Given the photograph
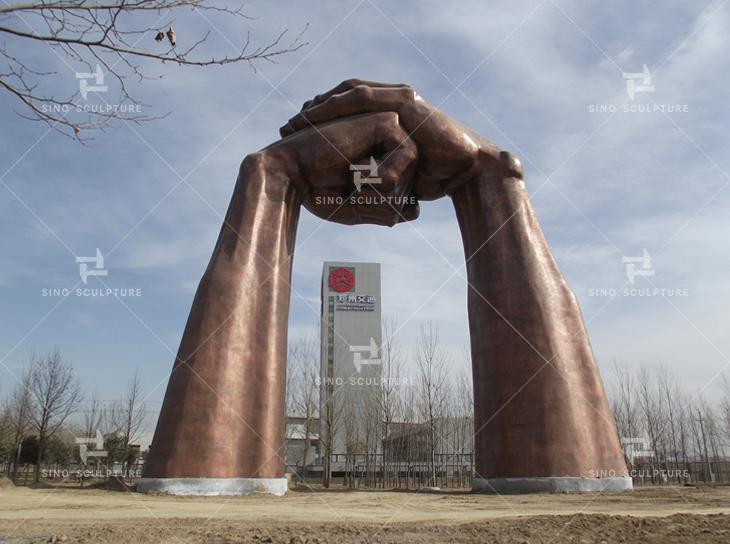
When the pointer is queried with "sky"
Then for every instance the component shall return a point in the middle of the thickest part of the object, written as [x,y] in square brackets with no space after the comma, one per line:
[609,177]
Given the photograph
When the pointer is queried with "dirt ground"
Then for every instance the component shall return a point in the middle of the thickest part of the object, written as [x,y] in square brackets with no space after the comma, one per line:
[91,515]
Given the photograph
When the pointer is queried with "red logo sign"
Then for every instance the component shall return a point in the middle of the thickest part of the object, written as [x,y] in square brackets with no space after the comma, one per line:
[341,279]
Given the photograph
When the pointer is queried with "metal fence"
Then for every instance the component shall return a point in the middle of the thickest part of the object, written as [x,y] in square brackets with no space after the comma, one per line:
[448,471]
[666,472]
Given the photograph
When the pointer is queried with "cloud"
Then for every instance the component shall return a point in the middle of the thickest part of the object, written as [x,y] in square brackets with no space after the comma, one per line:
[633,182]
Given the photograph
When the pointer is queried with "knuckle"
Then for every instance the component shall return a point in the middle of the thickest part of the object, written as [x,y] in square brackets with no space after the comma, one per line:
[298,121]
[362,91]
[392,120]
[408,93]
[253,161]
[255,158]
[511,164]
[410,150]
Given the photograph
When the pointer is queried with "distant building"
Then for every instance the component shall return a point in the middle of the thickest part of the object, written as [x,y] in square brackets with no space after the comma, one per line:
[348,438]
[350,358]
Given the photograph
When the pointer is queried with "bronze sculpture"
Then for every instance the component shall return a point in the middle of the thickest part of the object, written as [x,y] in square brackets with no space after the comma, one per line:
[542,421]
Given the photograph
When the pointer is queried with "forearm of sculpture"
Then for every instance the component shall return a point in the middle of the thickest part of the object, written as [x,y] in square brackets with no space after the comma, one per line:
[223,415]
[540,407]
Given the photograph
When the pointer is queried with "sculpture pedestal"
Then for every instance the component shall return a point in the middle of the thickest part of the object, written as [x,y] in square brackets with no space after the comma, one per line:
[213,486]
[506,486]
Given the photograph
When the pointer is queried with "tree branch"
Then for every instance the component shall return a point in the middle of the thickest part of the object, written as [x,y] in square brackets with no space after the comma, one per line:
[87,33]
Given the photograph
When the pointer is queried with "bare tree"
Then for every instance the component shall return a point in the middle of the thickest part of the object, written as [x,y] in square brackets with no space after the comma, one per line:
[20,408]
[671,399]
[623,402]
[434,389]
[685,430]
[332,401]
[303,394]
[371,423]
[651,411]
[712,431]
[464,407]
[56,394]
[391,399]
[351,417]
[724,409]
[701,415]
[91,423]
[129,417]
[111,40]
[411,443]
[93,417]
[682,427]
[6,434]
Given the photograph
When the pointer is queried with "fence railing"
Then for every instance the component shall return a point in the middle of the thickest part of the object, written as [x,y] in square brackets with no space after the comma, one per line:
[665,472]
[457,471]
[445,470]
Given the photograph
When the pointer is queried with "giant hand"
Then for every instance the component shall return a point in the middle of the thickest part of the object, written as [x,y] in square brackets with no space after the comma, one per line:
[542,421]
[320,162]
[449,153]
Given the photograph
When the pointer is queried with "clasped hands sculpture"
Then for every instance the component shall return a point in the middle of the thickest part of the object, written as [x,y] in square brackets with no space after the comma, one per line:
[423,153]
[540,410]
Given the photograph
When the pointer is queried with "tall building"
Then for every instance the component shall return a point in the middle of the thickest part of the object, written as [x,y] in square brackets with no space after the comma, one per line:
[350,357]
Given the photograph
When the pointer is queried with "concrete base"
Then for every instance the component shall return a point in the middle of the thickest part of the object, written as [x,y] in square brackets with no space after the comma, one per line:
[213,486]
[552,484]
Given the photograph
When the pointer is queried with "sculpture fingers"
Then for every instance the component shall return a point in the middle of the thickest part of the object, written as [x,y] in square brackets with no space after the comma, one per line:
[368,179]
[346,86]
[381,200]
[359,99]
